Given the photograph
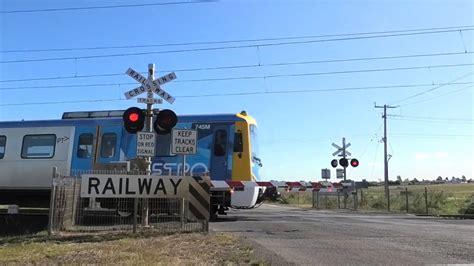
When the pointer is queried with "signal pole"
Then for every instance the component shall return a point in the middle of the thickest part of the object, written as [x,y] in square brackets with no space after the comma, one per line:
[148,128]
[344,156]
[384,116]
[149,113]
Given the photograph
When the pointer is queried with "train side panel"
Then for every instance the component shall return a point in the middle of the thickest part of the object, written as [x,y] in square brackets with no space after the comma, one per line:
[29,157]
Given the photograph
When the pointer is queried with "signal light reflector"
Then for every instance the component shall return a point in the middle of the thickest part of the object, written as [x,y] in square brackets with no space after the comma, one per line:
[354,162]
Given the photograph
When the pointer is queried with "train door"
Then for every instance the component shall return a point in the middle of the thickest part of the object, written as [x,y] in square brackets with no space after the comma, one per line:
[219,162]
[96,145]
[84,150]
[109,144]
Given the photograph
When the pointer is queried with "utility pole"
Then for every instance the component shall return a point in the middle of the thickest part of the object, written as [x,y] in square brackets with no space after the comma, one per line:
[384,116]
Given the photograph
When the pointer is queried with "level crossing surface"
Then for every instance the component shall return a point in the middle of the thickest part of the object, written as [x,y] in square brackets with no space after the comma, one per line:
[323,237]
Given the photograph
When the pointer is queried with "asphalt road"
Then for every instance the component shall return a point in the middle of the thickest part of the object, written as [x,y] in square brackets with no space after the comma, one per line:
[287,235]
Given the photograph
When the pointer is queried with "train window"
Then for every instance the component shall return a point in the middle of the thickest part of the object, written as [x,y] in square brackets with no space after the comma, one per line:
[84,148]
[107,145]
[3,142]
[38,146]
[220,142]
[238,142]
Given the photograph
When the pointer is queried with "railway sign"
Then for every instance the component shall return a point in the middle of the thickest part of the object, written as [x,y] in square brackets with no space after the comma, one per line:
[146,144]
[339,173]
[150,85]
[325,173]
[133,186]
[340,150]
[184,141]
[149,101]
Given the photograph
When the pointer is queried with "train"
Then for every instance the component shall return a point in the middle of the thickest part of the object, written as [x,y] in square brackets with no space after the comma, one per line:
[227,151]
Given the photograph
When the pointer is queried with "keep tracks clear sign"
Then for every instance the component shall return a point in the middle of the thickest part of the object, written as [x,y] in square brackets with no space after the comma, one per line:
[184,141]
[133,186]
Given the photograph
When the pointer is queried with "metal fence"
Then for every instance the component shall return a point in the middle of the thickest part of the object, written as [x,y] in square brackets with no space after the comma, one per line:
[415,200]
[69,212]
[334,200]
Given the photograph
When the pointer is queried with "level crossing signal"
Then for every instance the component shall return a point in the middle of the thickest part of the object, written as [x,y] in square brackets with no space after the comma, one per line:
[165,121]
[345,163]
[354,162]
[133,119]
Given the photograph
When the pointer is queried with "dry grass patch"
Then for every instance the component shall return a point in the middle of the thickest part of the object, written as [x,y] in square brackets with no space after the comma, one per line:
[127,249]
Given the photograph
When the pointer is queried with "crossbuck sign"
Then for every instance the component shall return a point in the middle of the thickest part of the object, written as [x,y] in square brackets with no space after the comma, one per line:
[150,85]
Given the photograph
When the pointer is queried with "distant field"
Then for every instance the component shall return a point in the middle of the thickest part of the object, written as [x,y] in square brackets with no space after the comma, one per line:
[442,198]
[461,189]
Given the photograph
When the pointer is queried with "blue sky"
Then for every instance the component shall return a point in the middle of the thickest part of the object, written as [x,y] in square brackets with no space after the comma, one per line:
[296,128]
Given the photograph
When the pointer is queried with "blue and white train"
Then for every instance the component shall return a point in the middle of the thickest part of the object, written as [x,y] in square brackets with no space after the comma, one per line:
[227,150]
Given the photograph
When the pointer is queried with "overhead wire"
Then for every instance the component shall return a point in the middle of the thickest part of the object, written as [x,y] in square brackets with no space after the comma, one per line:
[291,75]
[432,89]
[250,66]
[222,47]
[440,95]
[229,94]
[433,118]
[104,7]
[455,28]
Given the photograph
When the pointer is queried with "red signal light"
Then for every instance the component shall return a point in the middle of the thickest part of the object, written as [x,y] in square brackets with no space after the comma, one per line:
[354,162]
[133,117]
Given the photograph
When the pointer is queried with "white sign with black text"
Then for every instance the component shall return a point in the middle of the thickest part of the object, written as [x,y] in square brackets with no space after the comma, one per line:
[133,186]
[184,141]
[146,144]
[150,85]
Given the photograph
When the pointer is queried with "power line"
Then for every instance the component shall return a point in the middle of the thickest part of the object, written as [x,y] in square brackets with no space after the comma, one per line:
[103,7]
[433,121]
[455,28]
[432,89]
[431,135]
[269,92]
[441,95]
[222,47]
[433,118]
[228,94]
[252,66]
